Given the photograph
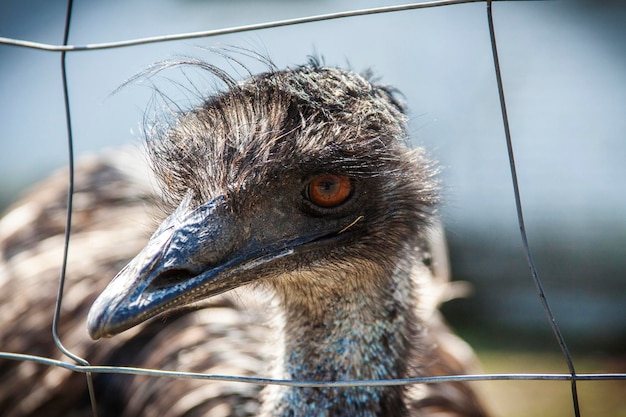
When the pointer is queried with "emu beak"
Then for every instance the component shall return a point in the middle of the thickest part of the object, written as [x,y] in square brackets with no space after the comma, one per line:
[196,253]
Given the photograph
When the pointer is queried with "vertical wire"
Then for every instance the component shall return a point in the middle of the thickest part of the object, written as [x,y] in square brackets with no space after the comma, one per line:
[68,222]
[520,216]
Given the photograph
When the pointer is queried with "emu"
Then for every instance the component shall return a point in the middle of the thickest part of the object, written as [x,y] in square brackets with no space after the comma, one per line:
[301,231]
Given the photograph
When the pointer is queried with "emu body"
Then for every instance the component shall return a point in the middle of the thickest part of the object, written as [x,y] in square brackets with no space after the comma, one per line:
[299,185]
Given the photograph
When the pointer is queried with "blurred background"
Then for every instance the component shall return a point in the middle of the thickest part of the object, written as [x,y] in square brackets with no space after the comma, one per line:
[564,69]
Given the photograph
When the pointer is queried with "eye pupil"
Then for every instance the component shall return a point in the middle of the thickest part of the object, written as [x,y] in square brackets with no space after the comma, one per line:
[329,190]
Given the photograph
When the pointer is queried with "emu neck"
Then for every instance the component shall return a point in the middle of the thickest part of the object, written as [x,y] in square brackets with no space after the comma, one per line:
[345,327]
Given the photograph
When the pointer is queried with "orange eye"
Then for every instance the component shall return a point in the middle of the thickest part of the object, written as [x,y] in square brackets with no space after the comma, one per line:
[329,190]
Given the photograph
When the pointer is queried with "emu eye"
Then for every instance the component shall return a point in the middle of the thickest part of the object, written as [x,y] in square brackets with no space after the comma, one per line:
[329,190]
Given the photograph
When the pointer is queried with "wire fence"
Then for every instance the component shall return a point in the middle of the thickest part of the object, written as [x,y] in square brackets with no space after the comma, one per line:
[81,365]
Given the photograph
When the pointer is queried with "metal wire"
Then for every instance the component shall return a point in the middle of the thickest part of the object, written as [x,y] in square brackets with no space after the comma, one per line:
[231,30]
[82,366]
[307,384]
[68,221]
[520,215]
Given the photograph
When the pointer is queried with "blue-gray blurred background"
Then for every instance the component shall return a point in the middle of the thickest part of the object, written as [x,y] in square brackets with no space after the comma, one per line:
[564,69]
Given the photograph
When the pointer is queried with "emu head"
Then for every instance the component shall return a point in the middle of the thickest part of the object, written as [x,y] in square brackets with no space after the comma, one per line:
[279,180]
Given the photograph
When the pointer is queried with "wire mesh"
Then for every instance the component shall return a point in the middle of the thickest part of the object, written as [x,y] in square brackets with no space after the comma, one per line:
[82,366]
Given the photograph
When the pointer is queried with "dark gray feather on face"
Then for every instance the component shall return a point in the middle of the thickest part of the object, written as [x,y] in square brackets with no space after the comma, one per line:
[272,132]
[315,118]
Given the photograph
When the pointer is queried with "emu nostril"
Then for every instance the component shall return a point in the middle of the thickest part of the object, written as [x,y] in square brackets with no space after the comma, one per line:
[170,277]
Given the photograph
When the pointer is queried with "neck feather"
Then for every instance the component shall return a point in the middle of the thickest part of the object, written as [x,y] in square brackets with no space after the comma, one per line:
[343,325]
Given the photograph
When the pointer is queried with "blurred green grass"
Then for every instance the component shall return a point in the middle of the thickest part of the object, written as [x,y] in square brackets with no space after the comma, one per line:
[551,398]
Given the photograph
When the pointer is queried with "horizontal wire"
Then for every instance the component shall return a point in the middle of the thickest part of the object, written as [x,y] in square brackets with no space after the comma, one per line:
[230,30]
[308,384]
